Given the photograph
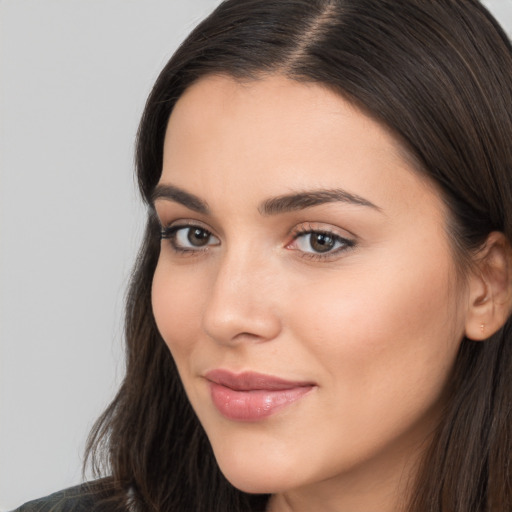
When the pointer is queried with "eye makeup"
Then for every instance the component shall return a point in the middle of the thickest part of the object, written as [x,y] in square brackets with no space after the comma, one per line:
[309,242]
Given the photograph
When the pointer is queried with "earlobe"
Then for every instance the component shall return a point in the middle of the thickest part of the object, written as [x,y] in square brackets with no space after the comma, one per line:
[490,288]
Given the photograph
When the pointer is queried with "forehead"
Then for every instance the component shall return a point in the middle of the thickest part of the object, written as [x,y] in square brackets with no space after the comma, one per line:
[262,107]
[275,135]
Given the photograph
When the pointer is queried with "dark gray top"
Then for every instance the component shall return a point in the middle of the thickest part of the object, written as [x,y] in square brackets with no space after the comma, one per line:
[80,498]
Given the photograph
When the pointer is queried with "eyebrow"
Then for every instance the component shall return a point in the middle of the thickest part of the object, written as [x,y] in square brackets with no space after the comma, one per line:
[308,199]
[273,206]
[172,193]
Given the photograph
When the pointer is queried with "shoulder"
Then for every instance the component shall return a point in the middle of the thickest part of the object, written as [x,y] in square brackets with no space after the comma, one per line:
[81,498]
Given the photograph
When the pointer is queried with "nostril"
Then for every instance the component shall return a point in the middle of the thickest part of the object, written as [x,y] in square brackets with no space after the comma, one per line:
[240,322]
[237,307]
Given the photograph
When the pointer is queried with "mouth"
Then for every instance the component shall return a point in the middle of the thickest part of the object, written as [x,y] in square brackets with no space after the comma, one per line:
[251,396]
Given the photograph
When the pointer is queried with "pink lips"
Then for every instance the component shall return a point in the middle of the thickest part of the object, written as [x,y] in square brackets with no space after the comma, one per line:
[252,396]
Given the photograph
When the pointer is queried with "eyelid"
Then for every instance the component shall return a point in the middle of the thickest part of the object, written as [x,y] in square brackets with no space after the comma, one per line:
[184,223]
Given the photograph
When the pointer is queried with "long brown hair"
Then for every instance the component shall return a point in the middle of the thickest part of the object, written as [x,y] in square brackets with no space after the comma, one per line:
[438,74]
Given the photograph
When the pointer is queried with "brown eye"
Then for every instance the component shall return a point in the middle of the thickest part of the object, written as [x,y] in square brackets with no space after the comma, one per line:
[321,242]
[198,237]
[189,238]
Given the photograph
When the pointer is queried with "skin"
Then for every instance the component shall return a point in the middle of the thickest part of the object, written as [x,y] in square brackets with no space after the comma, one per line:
[375,325]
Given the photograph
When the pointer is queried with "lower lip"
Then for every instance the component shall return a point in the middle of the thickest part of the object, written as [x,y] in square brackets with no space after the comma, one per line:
[253,405]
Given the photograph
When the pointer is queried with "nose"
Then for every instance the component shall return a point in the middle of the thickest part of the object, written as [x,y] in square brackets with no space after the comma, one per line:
[241,304]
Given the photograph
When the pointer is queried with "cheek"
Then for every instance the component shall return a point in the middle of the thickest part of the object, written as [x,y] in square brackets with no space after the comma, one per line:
[384,332]
[176,305]
[383,348]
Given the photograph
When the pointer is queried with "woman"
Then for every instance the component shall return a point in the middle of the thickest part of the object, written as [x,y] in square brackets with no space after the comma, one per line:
[319,318]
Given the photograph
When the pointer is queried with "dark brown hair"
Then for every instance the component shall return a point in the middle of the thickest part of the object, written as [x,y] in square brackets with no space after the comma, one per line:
[438,74]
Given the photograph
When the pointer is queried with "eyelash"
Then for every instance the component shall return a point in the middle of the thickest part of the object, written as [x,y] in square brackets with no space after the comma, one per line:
[171,232]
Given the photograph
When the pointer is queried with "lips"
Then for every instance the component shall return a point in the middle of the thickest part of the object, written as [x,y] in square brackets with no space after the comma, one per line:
[253,396]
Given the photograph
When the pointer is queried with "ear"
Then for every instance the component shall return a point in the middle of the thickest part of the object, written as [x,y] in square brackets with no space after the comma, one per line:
[490,288]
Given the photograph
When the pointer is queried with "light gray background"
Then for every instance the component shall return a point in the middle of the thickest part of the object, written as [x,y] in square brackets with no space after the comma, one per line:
[74,75]
[74,78]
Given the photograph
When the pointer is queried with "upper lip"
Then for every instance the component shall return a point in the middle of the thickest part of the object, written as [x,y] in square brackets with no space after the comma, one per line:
[249,381]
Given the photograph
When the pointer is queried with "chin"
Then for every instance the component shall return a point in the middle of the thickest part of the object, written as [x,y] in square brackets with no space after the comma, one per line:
[253,482]
[256,476]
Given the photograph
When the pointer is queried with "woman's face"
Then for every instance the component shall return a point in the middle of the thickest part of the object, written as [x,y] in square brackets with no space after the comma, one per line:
[305,287]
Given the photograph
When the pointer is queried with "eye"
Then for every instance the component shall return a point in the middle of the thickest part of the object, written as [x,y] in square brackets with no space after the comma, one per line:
[318,243]
[189,238]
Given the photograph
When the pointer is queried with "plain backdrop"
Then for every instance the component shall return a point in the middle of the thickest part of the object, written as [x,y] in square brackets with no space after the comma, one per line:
[74,76]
